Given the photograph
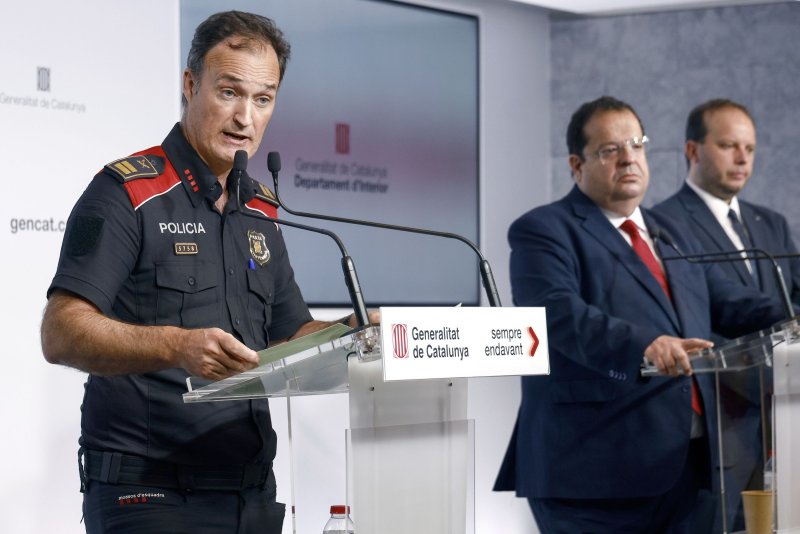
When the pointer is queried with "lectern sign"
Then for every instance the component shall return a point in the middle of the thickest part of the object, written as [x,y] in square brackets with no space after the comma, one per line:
[437,342]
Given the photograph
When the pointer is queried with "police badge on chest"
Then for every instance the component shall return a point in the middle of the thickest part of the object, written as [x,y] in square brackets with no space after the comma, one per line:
[258,247]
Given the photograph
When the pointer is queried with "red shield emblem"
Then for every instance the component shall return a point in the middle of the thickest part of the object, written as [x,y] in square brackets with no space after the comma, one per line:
[400,340]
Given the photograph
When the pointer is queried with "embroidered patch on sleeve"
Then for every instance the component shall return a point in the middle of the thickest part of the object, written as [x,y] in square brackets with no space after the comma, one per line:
[84,235]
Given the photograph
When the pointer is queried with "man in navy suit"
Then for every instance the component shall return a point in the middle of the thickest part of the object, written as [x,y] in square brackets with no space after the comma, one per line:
[720,149]
[598,448]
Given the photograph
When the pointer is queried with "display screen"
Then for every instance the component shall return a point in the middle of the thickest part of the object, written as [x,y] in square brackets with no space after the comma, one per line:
[377,119]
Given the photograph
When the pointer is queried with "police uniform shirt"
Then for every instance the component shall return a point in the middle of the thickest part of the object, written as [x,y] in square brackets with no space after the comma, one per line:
[145,245]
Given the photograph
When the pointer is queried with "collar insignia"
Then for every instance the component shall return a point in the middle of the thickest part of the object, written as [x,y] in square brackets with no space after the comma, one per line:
[264,193]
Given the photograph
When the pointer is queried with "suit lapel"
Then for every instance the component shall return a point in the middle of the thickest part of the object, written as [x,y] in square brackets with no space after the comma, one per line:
[596,224]
[705,221]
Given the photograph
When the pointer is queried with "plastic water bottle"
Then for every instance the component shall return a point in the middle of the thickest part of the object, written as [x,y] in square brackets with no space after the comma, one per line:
[340,522]
[769,473]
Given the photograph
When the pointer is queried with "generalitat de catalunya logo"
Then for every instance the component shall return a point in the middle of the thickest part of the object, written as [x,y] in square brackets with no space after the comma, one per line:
[400,340]
[342,138]
[43,79]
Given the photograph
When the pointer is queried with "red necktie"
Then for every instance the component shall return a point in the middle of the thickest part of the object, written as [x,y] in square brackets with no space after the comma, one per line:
[642,250]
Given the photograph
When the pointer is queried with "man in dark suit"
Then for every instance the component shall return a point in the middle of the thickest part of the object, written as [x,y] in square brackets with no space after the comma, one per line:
[598,448]
[720,149]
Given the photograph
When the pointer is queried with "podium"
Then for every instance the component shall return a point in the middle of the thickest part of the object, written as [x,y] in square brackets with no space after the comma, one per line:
[773,355]
[410,448]
[409,445]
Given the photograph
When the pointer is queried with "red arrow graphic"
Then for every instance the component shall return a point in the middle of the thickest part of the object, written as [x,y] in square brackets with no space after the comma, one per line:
[535,340]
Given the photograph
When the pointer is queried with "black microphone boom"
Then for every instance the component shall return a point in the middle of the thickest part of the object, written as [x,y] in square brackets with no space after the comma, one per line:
[348,267]
[274,166]
[733,255]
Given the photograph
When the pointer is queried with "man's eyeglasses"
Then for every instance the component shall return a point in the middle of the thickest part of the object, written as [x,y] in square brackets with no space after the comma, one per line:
[609,153]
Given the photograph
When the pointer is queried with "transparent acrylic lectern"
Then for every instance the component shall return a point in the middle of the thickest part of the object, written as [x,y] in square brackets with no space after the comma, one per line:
[774,354]
[410,449]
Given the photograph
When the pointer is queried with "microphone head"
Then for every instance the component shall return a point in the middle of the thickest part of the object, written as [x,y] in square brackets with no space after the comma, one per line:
[663,235]
[240,161]
[274,162]
[667,238]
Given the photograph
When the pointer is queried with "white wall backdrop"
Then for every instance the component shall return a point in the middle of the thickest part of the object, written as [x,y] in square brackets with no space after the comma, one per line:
[111,86]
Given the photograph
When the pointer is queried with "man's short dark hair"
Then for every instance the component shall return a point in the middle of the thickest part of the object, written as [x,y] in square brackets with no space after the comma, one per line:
[576,137]
[696,129]
[252,28]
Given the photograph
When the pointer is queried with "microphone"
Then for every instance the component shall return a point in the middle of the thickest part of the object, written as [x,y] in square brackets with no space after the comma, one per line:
[238,169]
[348,267]
[274,166]
[732,255]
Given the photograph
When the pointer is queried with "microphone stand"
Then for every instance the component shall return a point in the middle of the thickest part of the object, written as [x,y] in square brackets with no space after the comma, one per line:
[727,256]
[348,267]
[741,255]
[274,165]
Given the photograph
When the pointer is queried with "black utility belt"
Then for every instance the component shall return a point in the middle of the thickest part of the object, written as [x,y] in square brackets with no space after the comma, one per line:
[118,468]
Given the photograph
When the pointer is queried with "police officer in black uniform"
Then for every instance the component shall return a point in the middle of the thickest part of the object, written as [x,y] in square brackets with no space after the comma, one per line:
[168,269]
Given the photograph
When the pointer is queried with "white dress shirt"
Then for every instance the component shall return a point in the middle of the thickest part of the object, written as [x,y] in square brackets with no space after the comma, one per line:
[719,209]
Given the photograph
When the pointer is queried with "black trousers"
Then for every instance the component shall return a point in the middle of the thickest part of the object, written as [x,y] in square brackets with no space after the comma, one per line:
[130,509]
